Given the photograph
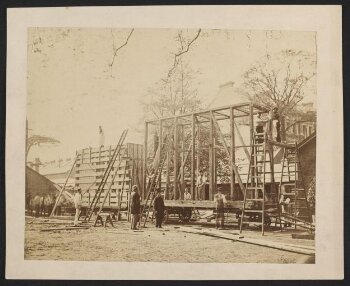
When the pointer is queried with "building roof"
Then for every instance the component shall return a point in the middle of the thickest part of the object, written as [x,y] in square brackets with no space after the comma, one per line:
[56,167]
[227,95]
[307,140]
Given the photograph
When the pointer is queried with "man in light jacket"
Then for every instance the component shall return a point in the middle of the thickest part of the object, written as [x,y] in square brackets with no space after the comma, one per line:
[77,205]
[135,207]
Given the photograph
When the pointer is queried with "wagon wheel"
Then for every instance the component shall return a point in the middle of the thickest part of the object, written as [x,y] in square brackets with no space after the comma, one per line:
[185,215]
[267,220]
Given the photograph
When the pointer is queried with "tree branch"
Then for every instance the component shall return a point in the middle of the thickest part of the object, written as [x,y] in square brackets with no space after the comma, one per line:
[119,48]
[183,51]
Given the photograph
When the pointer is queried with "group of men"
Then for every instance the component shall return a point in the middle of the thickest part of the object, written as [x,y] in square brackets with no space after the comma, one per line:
[158,205]
[135,208]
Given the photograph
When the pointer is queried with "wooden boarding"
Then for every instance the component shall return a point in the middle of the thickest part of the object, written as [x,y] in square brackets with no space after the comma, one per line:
[92,163]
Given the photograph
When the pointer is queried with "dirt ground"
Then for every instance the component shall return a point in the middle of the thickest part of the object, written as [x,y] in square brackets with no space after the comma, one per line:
[149,244]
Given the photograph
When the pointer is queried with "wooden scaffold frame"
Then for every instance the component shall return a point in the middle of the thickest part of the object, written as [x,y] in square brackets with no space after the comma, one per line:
[189,126]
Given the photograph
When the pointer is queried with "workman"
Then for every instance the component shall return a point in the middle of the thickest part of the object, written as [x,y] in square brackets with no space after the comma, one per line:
[135,207]
[159,208]
[220,201]
[77,205]
[187,195]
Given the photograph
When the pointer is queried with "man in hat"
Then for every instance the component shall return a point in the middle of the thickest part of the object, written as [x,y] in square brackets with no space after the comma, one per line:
[77,205]
[159,208]
[220,200]
[135,207]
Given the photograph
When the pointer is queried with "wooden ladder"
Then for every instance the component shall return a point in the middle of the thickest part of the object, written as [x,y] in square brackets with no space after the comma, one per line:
[154,181]
[96,199]
[297,211]
[254,203]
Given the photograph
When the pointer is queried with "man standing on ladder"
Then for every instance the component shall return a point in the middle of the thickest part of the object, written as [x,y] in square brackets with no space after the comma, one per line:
[220,200]
[135,207]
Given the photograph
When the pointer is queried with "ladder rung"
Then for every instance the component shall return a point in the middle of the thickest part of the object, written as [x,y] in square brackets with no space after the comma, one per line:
[253,211]
[254,200]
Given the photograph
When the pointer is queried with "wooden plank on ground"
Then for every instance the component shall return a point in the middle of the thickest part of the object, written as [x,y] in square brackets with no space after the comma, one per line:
[65,228]
[259,242]
[310,236]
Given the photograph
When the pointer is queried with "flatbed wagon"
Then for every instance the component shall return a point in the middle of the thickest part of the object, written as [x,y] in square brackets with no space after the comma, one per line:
[186,208]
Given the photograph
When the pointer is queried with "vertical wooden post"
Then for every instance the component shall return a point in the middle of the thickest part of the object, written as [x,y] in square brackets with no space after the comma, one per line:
[160,146]
[167,166]
[211,164]
[144,169]
[233,155]
[198,154]
[251,124]
[26,147]
[193,156]
[211,195]
[182,170]
[251,121]
[175,159]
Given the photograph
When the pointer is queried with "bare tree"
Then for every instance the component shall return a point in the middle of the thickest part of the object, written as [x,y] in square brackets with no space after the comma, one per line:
[176,93]
[280,81]
[184,47]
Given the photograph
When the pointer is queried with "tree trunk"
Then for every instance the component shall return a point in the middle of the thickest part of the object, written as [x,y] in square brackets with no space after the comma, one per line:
[283,128]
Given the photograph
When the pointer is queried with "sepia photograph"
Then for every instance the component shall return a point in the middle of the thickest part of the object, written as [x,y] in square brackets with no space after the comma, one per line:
[192,143]
[179,139]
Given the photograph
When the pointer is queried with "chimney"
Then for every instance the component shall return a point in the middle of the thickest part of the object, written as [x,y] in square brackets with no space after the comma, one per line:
[36,164]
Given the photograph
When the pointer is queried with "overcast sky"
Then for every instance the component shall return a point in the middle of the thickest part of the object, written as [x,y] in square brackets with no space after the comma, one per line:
[72,89]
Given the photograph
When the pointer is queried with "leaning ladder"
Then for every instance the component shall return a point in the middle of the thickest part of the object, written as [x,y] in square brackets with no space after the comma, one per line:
[298,213]
[255,194]
[100,189]
[155,180]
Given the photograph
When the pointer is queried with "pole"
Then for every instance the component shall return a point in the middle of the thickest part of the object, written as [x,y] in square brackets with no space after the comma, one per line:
[160,146]
[193,156]
[182,162]
[144,169]
[64,186]
[198,155]
[175,158]
[211,164]
[232,159]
